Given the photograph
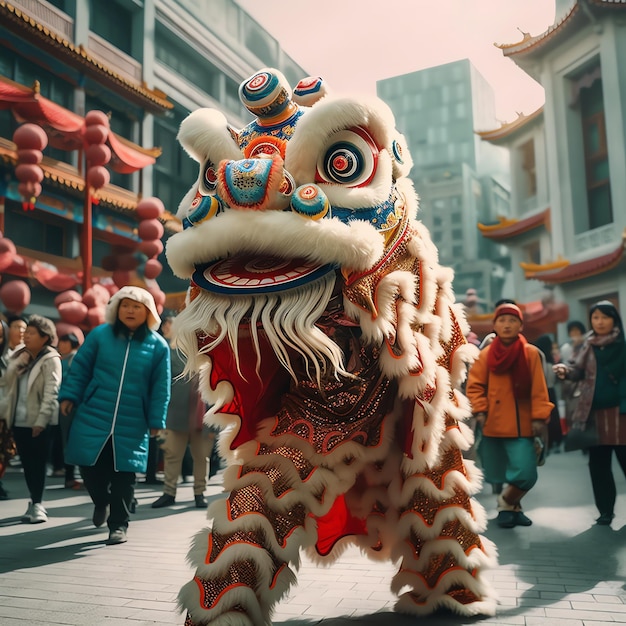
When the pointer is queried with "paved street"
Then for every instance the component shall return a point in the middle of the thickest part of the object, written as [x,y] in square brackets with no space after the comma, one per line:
[562,570]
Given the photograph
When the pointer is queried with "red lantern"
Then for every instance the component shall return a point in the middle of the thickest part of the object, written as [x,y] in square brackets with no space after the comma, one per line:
[152,269]
[150,229]
[127,261]
[15,295]
[7,253]
[72,312]
[151,247]
[150,208]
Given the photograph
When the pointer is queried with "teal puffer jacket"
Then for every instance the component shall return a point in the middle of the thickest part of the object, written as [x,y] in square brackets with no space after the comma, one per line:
[120,387]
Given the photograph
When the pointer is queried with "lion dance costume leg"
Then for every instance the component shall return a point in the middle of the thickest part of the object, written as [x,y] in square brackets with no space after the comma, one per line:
[331,352]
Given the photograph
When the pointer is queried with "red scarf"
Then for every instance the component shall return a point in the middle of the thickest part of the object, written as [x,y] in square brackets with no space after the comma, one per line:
[511,360]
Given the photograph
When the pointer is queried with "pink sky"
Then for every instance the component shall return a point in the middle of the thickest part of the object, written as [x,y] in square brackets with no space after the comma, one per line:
[353,43]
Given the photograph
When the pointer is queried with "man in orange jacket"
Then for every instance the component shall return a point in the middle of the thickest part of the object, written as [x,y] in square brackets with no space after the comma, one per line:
[507,388]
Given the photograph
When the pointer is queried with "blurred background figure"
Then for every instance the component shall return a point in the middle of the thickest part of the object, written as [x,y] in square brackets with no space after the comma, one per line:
[600,366]
[68,346]
[7,443]
[30,406]
[184,427]
[119,384]
[545,344]
[570,389]
[576,335]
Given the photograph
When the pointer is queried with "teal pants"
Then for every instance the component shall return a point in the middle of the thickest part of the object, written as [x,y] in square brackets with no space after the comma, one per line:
[509,460]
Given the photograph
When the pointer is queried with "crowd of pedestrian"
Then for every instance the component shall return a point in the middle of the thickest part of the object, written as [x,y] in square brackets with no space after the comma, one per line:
[89,408]
[532,400]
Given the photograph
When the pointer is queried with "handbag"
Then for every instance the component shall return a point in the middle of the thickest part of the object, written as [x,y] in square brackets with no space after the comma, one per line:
[582,436]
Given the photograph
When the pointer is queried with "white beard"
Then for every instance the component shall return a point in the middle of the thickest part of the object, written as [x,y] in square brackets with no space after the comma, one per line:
[287,319]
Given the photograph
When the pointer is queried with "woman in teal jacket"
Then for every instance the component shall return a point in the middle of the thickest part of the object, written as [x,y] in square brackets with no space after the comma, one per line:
[119,389]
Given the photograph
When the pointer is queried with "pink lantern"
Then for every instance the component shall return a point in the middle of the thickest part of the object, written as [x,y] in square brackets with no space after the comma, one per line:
[151,247]
[150,229]
[98,154]
[96,295]
[95,316]
[29,155]
[95,117]
[15,295]
[7,253]
[30,137]
[29,173]
[67,296]
[150,208]
[96,133]
[152,268]
[121,278]
[72,312]
[98,176]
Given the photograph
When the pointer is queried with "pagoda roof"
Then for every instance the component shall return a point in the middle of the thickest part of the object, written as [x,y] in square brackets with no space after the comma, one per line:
[576,17]
[66,176]
[79,58]
[508,228]
[65,128]
[508,129]
[583,269]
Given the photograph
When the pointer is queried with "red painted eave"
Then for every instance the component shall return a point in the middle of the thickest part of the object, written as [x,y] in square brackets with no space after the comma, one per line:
[512,228]
[583,269]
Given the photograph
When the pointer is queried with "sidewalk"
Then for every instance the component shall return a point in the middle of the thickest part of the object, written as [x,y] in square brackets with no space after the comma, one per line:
[563,570]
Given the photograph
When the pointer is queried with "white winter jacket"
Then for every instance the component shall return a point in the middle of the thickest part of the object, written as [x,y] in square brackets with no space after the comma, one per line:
[44,380]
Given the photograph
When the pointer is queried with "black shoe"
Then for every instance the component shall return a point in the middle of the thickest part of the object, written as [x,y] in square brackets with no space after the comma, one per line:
[164,500]
[100,514]
[3,494]
[201,502]
[117,536]
[522,520]
[605,519]
[506,519]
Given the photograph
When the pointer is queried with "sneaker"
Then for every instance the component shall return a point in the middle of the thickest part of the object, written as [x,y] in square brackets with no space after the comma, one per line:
[117,536]
[521,519]
[76,485]
[200,500]
[39,514]
[164,500]
[100,514]
[29,513]
[506,519]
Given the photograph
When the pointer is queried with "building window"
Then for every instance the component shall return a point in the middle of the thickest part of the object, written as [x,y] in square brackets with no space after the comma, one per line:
[36,231]
[596,155]
[529,169]
[174,171]
[112,22]
[532,253]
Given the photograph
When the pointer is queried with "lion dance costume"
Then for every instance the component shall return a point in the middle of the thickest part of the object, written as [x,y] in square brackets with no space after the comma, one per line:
[331,350]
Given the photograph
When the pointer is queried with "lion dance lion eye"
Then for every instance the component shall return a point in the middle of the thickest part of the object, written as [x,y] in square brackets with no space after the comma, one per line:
[350,159]
[209,178]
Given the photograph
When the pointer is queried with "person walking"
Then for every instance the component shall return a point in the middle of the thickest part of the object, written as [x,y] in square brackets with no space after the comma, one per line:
[600,366]
[570,390]
[7,443]
[30,406]
[555,434]
[184,427]
[507,389]
[119,389]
